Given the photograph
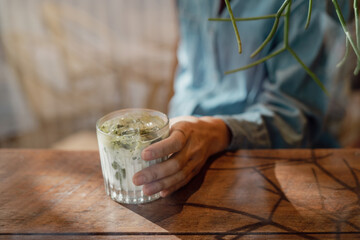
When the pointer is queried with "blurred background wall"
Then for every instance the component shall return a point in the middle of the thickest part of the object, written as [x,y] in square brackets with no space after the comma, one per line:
[64,64]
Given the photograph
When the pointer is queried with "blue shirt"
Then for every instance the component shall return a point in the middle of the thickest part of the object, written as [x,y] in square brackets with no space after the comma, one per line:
[272,105]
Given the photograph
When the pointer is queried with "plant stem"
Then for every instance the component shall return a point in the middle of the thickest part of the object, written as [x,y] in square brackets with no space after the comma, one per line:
[293,53]
[243,19]
[312,75]
[356,13]
[287,25]
[234,25]
[273,30]
[257,62]
[343,60]
[309,14]
[343,24]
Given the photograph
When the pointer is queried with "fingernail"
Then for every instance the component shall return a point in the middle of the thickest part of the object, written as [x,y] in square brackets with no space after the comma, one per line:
[163,194]
[139,180]
[148,155]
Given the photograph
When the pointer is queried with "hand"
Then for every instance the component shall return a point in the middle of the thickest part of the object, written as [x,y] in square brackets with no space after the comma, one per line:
[191,142]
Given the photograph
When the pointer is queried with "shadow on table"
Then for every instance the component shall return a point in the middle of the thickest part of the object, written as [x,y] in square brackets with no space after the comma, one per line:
[164,208]
[269,195]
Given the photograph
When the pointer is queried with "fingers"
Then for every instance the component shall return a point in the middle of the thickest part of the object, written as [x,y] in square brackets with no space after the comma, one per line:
[158,171]
[174,143]
[195,170]
[168,191]
[169,184]
[165,183]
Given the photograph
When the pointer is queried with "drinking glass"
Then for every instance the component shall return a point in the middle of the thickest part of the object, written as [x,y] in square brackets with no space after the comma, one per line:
[122,135]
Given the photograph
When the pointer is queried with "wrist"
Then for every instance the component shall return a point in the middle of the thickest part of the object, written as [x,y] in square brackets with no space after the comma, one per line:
[220,132]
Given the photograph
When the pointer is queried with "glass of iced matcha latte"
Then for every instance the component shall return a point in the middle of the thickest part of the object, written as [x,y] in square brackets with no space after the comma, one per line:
[122,135]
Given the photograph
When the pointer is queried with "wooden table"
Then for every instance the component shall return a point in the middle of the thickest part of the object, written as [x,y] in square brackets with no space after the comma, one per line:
[259,194]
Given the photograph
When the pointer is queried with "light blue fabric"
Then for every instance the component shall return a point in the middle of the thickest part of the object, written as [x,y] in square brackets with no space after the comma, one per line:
[272,105]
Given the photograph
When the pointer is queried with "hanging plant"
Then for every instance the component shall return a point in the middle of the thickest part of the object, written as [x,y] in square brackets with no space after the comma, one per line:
[284,12]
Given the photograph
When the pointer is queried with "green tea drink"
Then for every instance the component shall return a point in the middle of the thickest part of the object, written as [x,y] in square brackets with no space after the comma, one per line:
[122,135]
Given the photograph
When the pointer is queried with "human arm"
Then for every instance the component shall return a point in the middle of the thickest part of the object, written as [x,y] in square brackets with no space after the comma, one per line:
[288,111]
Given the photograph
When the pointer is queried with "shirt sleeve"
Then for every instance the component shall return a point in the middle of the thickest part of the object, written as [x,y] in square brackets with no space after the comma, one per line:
[290,108]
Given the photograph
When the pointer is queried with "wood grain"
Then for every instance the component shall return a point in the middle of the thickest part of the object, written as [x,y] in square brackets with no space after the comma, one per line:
[272,194]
